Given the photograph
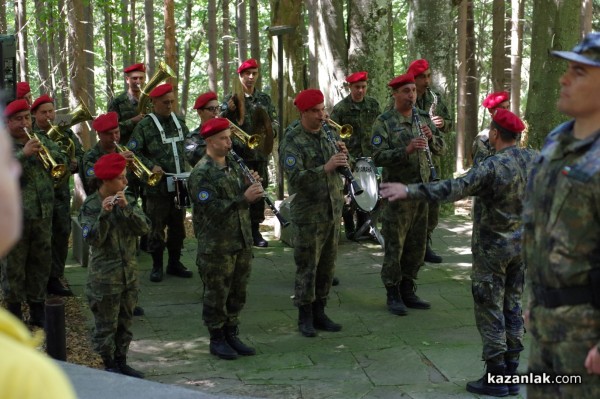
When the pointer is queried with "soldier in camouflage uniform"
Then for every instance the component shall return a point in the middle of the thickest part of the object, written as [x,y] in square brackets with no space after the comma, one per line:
[255,103]
[310,162]
[44,114]
[158,142]
[400,149]
[481,146]
[221,197]
[498,269]
[26,270]
[561,240]
[126,103]
[111,222]
[359,111]
[207,107]
[431,102]
[24,92]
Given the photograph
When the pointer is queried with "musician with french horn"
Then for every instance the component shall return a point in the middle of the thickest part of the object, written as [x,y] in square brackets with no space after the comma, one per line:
[126,103]
[26,270]
[158,143]
[402,138]
[44,115]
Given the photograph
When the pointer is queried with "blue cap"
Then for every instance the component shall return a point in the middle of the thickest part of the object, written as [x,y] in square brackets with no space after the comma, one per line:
[587,52]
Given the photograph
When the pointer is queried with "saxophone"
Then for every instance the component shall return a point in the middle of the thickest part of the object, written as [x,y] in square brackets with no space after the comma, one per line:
[433,103]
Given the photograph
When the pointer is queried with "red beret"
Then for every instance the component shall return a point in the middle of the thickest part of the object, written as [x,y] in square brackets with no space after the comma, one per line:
[508,121]
[135,67]
[43,99]
[418,67]
[251,63]
[401,80]
[106,122]
[495,99]
[308,98]
[22,89]
[161,90]
[109,166]
[357,77]
[203,99]
[214,126]
[16,106]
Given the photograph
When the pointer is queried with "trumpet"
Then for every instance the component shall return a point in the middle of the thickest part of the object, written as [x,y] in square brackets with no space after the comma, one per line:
[345,131]
[57,171]
[343,170]
[139,169]
[252,141]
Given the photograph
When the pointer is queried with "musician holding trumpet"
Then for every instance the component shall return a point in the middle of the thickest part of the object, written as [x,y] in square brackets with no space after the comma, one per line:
[126,103]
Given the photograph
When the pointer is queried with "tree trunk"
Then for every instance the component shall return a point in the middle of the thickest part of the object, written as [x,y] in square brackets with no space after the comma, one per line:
[108,51]
[21,20]
[242,33]
[171,45]
[125,33]
[211,31]
[254,37]
[226,48]
[133,57]
[90,98]
[64,55]
[43,70]
[587,11]
[150,48]
[517,10]
[370,44]
[552,29]
[53,59]
[498,40]
[3,24]
[187,58]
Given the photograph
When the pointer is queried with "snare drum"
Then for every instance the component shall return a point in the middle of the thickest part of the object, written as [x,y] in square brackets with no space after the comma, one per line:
[365,173]
[178,183]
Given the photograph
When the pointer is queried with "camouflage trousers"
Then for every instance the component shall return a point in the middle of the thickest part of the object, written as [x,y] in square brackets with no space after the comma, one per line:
[315,251]
[497,287]
[27,268]
[225,278]
[61,230]
[112,306]
[404,226]
[162,213]
[257,209]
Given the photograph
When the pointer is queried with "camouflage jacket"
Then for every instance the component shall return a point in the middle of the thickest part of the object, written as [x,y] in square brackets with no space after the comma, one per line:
[37,187]
[112,237]
[562,211]
[195,146]
[146,143]
[392,133]
[221,214]
[499,183]
[319,195]
[361,117]
[481,147]
[259,99]
[87,166]
[425,102]
[126,107]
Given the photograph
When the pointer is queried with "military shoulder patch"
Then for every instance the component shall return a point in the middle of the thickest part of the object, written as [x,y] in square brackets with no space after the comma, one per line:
[90,172]
[290,161]
[85,231]
[203,195]
[132,145]
[376,140]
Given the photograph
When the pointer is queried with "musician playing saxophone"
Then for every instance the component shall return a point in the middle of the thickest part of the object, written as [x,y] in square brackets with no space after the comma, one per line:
[399,147]
[126,103]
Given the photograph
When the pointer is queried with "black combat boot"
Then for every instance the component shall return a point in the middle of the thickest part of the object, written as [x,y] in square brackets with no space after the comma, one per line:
[335,281]
[348,218]
[37,314]
[15,309]
[55,287]
[156,275]
[231,336]
[394,301]
[305,321]
[484,386]
[110,365]
[219,345]
[407,291]
[138,311]
[175,267]
[125,369]
[430,256]
[258,239]
[511,369]
[320,319]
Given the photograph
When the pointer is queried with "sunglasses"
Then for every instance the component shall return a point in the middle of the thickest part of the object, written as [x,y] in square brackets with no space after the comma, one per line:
[211,109]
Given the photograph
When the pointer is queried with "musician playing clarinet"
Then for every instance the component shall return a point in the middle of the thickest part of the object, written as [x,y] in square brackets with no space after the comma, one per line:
[310,162]
[221,196]
[399,145]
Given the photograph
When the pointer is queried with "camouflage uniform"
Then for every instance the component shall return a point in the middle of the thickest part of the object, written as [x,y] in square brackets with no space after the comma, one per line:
[316,210]
[195,146]
[481,147]
[126,106]
[561,244]
[87,169]
[112,286]
[254,159]
[498,270]
[404,223]
[222,228]
[361,117]
[27,268]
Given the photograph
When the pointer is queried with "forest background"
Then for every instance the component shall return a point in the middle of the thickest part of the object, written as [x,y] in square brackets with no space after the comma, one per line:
[75,50]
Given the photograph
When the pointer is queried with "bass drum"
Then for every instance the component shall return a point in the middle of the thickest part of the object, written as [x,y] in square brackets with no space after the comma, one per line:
[365,173]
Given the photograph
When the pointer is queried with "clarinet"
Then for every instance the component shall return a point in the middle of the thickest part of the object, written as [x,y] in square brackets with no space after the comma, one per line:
[343,170]
[268,200]
[417,121]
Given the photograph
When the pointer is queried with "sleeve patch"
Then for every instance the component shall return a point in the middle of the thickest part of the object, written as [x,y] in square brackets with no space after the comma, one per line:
[203,196]
[90,172]
[376,140]
[85,231]
[290,161]
[132,145]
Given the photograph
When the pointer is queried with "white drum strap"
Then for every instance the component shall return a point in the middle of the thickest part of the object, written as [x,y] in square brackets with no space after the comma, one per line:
[171,140]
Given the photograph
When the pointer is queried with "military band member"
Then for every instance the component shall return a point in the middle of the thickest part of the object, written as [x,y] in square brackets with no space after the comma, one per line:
[44,114]
[221,195]
[26,271]
[158,142]
[310,162]
[111,223]
[481,146]
[24,92]
[126,103]
[207,107]
[399,147]
[256,103]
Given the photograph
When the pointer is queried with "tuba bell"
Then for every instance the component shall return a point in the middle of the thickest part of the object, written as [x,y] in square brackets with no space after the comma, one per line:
[163,73]
[56,132]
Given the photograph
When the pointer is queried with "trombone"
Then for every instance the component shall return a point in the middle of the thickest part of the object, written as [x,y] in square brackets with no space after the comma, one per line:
[139,169]
[57,171]
[252,141]
[344,131]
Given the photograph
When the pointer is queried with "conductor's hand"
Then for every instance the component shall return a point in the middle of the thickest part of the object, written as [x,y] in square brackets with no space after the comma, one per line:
[418,143]
[438,121]
[342,146]
[393,191]
[336,160]
[231,105]
[253,193]
[32,147]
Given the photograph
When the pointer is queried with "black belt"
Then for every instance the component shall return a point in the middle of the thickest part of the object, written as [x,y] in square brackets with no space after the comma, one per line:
[568,296]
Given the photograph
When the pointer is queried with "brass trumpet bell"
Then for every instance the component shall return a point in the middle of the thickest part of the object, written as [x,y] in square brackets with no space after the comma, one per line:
[344,131]
[252,141]
[139,169]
